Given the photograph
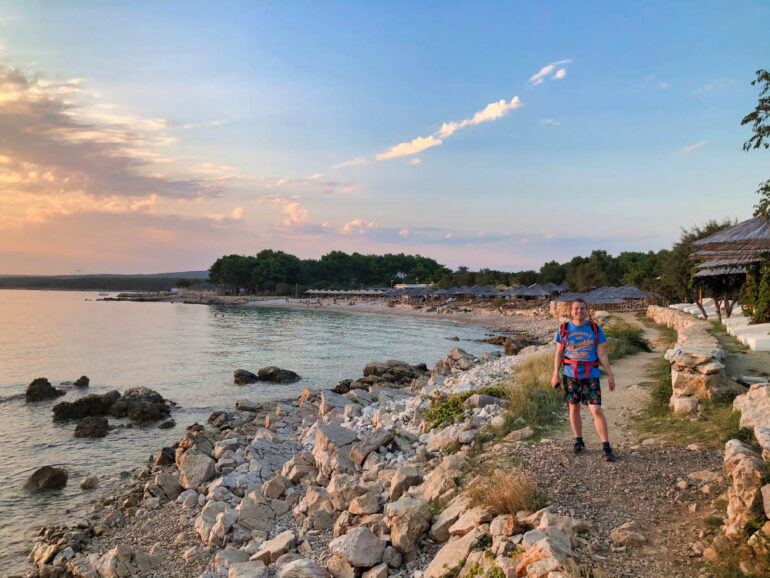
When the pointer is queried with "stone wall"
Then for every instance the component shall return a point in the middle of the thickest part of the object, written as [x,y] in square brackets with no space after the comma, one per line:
[697,371]
[748,507]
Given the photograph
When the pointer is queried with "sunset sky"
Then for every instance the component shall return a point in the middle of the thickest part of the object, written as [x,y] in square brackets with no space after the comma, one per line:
[150,136]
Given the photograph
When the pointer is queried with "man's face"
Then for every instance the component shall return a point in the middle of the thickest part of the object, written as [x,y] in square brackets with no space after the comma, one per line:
[579,312]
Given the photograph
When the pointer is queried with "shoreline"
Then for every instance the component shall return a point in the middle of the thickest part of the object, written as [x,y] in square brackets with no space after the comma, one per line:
[292,456]
[512,320]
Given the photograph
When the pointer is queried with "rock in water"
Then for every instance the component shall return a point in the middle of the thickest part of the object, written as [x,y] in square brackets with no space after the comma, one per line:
[92,427]
[82,381]
[277,375]
[242,377]
[88,405]
[140,404]
[89,483]
[41,389]
[47,478]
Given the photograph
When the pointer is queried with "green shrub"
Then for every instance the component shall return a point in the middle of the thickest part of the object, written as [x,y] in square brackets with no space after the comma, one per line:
[444,411]
[624,339]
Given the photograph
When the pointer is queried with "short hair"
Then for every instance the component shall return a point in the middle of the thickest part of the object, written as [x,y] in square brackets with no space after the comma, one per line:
[579,300]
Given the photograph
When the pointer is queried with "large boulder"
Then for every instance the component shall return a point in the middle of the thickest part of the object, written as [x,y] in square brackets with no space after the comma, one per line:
[277,375]
[452,555]
[141,405]
[270,551]
[332,448]
[460,359]
[407,518]
[92,427]
[41,389]
[46,478]
[243,376]
[195,468]
[359,547]
[372,443]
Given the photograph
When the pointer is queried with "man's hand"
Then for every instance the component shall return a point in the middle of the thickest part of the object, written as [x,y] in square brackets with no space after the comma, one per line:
[556,381]
[611,381]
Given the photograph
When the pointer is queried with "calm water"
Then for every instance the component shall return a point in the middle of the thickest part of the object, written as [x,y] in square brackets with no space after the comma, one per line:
[185,352]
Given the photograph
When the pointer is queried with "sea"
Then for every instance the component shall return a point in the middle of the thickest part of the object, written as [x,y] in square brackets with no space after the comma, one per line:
[185,352]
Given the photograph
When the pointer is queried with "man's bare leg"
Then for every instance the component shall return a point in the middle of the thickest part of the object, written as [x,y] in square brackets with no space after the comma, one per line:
[600,422]
[574,419]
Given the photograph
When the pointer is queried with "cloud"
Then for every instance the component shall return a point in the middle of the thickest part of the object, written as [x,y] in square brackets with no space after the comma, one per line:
[409,148]
[295,218]
[202,124]
[549,121]
[237,214]
[448,236]
[358,161]
[359,226]
[415,161]
[280,182]
[403,233]
[62,157]
[492,111]
[547,70]
[688,149]
[315,177]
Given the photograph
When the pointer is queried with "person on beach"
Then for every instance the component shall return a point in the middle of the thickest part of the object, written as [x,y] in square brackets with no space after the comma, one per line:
[580,348]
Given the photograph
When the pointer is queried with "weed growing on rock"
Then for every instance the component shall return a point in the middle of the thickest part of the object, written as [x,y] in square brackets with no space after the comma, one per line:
[445,410]
[507,492]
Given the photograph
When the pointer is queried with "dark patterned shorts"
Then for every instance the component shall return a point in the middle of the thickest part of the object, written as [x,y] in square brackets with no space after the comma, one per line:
[585,391]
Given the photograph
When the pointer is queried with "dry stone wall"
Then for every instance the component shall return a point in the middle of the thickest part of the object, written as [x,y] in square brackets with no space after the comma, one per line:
[697,371]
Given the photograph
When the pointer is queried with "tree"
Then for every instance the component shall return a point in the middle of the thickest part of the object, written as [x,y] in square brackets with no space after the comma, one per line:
[677,269]
[552,272]
[759,119]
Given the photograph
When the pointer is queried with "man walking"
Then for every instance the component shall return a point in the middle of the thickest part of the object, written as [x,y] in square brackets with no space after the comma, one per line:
[580,348]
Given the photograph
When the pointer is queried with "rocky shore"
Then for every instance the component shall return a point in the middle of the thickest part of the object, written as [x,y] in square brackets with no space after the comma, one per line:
[331,484]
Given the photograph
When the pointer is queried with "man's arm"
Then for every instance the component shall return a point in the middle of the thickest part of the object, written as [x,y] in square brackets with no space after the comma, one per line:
[557,361]
[604,361]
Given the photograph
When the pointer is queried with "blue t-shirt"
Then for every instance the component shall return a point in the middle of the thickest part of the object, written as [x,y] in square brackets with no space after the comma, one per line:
[581,346]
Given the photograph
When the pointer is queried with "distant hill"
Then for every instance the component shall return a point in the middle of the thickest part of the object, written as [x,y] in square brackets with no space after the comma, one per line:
[104,282]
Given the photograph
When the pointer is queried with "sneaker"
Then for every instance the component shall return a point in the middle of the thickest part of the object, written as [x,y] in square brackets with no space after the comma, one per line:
[609,456]
[579,446]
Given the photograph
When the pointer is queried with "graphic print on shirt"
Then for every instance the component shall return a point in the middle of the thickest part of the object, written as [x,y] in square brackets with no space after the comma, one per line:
[581,346]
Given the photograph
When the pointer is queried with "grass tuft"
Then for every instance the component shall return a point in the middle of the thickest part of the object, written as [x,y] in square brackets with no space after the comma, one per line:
[624,339]
[507,492]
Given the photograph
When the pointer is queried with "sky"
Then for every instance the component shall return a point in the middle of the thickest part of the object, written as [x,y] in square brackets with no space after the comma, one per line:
[146,136]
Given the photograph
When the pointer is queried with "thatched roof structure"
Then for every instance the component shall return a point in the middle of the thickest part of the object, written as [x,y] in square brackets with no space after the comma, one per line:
[727,252]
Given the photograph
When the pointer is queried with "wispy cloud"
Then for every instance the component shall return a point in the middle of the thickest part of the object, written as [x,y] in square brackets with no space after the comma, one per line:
[202,124]
[415,161]
[409,148]
[491,112]
[549,122]
[358,161]
[688,149]
[548,71]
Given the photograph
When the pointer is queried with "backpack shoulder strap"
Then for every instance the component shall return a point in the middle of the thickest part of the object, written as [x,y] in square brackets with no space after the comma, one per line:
[595,329]
[564,333]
